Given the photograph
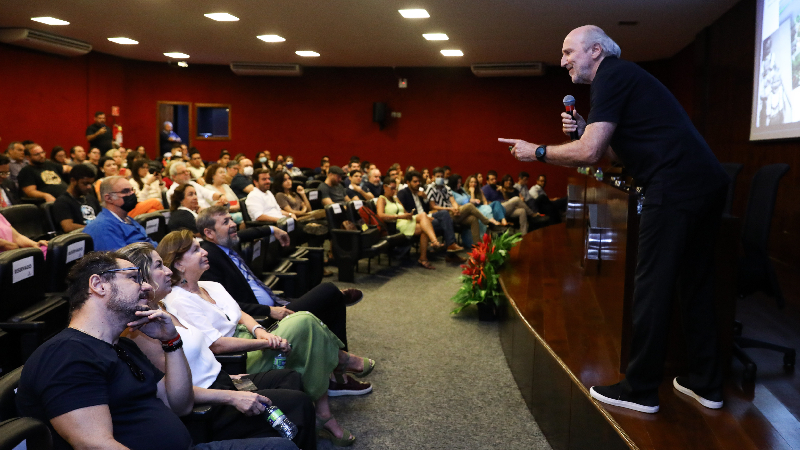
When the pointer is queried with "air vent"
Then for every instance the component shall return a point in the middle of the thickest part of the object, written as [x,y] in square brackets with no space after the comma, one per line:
[266,69]
[46,42]
[528,69]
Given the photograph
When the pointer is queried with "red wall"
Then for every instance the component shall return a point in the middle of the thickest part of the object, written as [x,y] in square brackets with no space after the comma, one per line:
[448,117]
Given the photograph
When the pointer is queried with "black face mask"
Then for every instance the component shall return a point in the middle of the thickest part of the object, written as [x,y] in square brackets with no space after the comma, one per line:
[129,202]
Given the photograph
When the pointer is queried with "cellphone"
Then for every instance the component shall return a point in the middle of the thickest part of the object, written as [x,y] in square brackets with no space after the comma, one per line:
[244,384]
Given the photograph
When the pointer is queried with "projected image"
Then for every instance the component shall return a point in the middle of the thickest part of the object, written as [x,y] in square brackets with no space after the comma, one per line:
[774,106]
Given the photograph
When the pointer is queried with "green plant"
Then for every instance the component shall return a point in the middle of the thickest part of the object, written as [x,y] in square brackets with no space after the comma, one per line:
[480,280]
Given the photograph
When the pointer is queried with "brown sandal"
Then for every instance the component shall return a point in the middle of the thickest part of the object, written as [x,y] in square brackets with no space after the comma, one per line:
[424,263]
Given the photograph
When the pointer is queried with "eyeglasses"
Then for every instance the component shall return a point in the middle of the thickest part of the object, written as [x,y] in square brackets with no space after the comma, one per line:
[139,277]
[135,370]
[5,174]
[126,191]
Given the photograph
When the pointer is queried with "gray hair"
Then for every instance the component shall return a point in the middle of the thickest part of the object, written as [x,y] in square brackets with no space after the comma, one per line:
[207,218]
[107,187]
[173,169]
[595,35]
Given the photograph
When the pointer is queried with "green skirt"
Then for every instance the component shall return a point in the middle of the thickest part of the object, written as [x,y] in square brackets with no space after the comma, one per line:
[314,355]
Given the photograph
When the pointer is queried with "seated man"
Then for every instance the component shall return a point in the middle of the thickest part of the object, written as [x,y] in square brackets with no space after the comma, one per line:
[77,155]
[8,191]
[325,301]
[354,191]
[514,207]
[113,229]
[550,208]
[41,178]
[413,198]
[372,182]
[242,182]
[261,203]
[524,192]
[97,390]
[180,174]
[196,167]
[18,156]
[325,159]
[353,165]
[331,191]
[78,206]
[440,198]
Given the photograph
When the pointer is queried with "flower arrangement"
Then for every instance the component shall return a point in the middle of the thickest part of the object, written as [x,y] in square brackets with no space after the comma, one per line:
[480,280]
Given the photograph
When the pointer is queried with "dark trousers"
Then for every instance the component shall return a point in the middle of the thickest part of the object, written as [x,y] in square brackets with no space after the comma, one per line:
[676,255]
[443,223]
[326,302]
[285,389]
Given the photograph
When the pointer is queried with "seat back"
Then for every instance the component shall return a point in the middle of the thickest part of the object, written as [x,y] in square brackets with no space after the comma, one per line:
[313,198]
[28,220]
[243,210]
[291,227]
[760,206]
[336,214]
[22,280]
[62,253]
[47,210]
[8,394]
[313,184]
[155,225]
[254,253]
[352,211]
[732,169]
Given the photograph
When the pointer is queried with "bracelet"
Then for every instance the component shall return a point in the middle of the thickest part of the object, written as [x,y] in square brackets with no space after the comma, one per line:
[171,341]
[174,346]
[253,331]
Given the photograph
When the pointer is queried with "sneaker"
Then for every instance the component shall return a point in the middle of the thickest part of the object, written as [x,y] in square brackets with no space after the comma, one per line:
[454,247]
[616,395]
[711,400]
[455,259]
[351,387]
[352,296]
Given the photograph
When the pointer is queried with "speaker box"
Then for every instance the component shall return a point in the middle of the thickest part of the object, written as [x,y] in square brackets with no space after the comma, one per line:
[380,112]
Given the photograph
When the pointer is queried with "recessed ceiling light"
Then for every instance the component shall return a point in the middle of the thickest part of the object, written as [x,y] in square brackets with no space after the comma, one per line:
[452,53]
[177,55]
[435,36]
[271,38]
[414,13]
[123,41]
[49,21]
[222,17]
[183,64]
[306,53]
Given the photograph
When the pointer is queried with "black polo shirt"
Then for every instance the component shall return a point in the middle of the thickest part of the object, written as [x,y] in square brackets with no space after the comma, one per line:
[654,138]
[103,142]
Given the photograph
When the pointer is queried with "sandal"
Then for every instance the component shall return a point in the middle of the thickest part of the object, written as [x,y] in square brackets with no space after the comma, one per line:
[436,245]
[368,365]
[346,440]
[425,264]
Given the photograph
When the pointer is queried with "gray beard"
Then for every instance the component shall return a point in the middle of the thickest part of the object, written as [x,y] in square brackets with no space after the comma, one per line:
[229,241]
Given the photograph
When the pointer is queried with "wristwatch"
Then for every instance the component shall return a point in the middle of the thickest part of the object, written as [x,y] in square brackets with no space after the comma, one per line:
[541,153]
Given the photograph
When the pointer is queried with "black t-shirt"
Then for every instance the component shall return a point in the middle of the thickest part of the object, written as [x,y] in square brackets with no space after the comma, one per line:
[654,137]
[74,370]
[103,141]
[239,183]
[46,178]
[335,193]
[81,210]
[353,194]
[182,220]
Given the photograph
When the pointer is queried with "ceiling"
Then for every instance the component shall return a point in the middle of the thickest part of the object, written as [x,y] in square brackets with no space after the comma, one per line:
[367,33]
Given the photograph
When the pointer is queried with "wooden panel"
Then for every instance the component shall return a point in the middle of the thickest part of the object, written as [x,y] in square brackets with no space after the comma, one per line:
[522,361]
[552,388]
[590,430]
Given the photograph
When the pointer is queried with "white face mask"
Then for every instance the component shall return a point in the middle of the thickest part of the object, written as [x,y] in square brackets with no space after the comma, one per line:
[176,155]
[248,171]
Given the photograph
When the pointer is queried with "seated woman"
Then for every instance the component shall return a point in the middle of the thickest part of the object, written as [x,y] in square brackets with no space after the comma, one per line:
[473,194]
[215,180]
[234,414]
[410,224]
[507,188]
[11,239]
[109,168]
[146,185]
[315,350]
[295,202]
[183,209]
[291,169]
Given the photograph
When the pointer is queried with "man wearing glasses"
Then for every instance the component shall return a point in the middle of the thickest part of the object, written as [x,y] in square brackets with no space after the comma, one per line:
[97,390]
[113,229]
[179,174]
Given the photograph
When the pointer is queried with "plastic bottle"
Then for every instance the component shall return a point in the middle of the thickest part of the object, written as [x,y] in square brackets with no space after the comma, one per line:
[278,421]
[280,361]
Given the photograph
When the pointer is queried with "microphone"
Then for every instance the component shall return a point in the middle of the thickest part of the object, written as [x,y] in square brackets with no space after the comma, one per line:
[569,105]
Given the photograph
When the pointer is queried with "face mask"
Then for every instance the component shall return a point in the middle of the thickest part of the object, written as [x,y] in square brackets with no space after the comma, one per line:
[176,155]
[262,160]
[439,181]
[248,171]
[129,202]
[289,165]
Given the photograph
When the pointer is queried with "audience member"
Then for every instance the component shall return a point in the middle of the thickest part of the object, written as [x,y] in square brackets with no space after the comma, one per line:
[234,414]
[278,160]
[11,239]
[16,154]
[324,167]
[142,151]
[262,160]
[354,190]
[441,197]
[113,229]
[183,209]
[291,169]
[115,154]
[446,172]
[97,390]
[93,161]
[325,159]
[98,134]
[261,203]
[146,182]
[522,186]
[180,174]
[77,206]
[167,137]
[41,178]
[232,169]
[109,169]
[224,158]
[507,188]
[354,165]
[242,183]
[426,177]
[295,201]
[8,192]
[409,223]
[215,181]
[77,155]
[373,184]
[59,156]
[479,178]
[514,206]
[196,166]
[463,196]
[551,208]
[332,191]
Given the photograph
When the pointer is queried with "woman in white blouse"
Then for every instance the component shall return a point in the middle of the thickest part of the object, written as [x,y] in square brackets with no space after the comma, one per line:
[146,185]
[215,180]
[234,414]
[315,351]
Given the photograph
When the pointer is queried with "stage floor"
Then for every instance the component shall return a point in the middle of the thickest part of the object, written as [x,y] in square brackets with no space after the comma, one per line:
[561,336]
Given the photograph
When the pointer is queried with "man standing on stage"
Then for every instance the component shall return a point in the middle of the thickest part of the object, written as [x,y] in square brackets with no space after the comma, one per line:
[684,188]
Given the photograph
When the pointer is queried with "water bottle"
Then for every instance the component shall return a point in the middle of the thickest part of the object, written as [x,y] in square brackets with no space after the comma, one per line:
[278,421]
[280,361]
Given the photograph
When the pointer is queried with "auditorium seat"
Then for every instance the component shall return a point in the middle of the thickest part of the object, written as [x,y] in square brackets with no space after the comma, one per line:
[281,275]
[394,239]
[62,253]
[312,195]
[756,272]
[248,221]
[312,184]
[15,430]
[349,246]
[28,220]
[155,225]
[732,169]
[47,209]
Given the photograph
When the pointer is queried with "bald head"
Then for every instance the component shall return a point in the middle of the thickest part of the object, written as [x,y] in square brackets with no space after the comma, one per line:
[584,49]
